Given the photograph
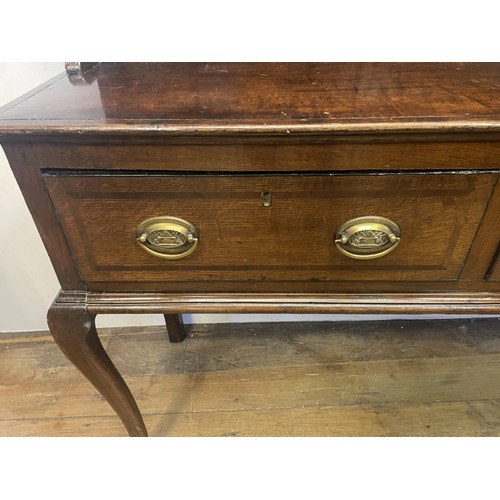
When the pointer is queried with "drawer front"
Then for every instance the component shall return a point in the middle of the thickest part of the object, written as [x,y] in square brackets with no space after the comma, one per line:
[287,235]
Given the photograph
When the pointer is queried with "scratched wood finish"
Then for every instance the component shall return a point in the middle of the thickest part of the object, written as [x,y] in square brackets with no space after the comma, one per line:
[393,378]
[191,97]
[293,240]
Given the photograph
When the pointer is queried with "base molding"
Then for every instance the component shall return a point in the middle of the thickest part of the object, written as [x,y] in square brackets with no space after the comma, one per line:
[388,303]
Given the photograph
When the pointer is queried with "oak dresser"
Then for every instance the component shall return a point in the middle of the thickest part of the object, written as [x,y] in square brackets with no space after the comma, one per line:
[259,187]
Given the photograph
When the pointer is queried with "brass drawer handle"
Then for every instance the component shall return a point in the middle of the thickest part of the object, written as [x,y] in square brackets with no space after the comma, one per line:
[167,237]
[368,237]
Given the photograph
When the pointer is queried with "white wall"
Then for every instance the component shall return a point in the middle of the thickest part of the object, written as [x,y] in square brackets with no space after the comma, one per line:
[27,281]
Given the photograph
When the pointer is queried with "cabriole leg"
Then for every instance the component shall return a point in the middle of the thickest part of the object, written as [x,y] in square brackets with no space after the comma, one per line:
[75,333]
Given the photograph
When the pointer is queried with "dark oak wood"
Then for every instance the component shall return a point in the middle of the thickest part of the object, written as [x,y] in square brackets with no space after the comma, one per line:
[418,143]
[73,328]
[175,327]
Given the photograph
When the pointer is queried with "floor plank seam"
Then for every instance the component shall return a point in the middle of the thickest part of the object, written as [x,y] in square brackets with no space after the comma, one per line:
[267,409]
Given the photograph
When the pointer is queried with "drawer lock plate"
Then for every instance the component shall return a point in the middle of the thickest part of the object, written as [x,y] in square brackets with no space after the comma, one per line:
[167,237]
[367,237]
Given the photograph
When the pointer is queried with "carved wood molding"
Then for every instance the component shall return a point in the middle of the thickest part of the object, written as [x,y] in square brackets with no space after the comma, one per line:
[388,303]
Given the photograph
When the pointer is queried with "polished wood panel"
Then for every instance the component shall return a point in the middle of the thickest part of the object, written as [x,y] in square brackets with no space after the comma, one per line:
[194,98]
[293,240]
[390,378]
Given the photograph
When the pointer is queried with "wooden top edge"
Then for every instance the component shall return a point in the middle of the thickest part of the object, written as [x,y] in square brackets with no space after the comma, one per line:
[230,99]
[32,128]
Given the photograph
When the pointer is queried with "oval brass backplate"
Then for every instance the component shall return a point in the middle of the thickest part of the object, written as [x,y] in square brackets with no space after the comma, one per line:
[167,237]
[367,237]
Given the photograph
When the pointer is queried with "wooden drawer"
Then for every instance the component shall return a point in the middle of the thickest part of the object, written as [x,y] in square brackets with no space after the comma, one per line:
[242,241]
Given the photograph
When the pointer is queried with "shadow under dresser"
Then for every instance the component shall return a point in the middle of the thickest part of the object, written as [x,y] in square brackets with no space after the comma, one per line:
[259,187]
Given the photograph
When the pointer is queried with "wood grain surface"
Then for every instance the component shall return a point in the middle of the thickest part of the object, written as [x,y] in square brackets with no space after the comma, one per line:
[390,378]
[193,98]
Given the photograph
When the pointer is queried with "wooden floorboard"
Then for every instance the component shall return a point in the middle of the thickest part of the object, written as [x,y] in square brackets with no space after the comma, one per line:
[385,378]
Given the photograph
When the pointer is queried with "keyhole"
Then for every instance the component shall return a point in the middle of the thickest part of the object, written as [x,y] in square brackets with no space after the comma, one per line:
[266,198]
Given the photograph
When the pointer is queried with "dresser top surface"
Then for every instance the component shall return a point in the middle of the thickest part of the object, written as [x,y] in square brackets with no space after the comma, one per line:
[260,98]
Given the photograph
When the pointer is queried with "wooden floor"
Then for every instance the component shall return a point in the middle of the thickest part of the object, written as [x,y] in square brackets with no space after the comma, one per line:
[391,378]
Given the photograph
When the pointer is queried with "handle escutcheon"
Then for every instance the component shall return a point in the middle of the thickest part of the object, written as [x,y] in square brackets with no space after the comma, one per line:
[167,237]
[367,237]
